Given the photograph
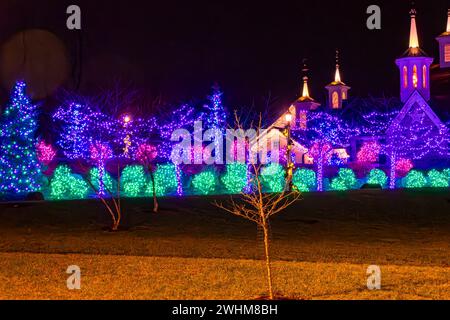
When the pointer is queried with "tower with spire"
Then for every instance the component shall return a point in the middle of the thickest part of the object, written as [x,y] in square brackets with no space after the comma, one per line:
[414,66]
[444,45]
[337,90]
[305,103]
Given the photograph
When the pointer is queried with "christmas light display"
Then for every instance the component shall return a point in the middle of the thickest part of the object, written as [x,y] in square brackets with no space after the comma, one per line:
[273,178]
[235,179]
[369,152]
[414,180]
[45,153]
[133,181]
[100,153]
[74,138]
[346,180]
[403,167]
[438,179]
[64,185]
[216,115]
[304,180]
[205,183]
[20,170]
[107,180]
[324,132]
[377,176]
[166,180]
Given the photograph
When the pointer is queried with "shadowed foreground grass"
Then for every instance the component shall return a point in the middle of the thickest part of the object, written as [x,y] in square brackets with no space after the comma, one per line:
[42,276]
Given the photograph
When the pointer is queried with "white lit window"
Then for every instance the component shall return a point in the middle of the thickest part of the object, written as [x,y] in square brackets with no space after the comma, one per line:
[447,53]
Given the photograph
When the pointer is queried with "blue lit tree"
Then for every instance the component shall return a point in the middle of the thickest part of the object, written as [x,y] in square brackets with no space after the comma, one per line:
[20,171]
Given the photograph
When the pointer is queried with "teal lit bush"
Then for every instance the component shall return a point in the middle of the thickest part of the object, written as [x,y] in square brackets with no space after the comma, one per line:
[304,180]
[235,178]
[346,180]
[166,182]
[377,176]
[273,178]
[66,186]
[133,181]
[415,180]
[205,183]
[108,181]
[438,179]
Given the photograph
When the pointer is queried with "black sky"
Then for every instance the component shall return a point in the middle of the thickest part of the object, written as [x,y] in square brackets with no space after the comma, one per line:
[178,49]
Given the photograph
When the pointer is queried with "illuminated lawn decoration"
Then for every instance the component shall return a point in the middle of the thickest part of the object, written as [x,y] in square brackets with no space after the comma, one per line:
[64,185]
[377,176]
[133,181]
[235,179]
[165,180]
[273,177]
[438,179]
[108,181]
[205,183]
[100,153]
[403,167]
[20,171]
[346,180]
[45,153]
[305,180]
[415,180]
[369,152]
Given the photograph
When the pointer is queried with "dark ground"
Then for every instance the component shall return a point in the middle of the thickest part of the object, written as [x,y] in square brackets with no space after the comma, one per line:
[402,227]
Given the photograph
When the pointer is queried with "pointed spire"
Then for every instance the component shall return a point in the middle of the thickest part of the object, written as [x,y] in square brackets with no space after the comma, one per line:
[305,92]
[448,21]
[413,37]
[337,76]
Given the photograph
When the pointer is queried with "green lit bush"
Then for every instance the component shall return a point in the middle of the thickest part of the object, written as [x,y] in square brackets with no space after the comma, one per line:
[66,186]
[304,180]
[346,180]
[273,178]
[437,179]
[133,181]
[108,181]
[235,178]
[377,176]
[205,183]
[415,180]
[165,180]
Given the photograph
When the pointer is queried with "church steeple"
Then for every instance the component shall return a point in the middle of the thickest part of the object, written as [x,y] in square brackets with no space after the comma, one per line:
[337,90]
[414,66]
[444,45]
[413,36]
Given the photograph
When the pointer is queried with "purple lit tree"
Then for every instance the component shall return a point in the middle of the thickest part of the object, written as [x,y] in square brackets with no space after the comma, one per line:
[324,133]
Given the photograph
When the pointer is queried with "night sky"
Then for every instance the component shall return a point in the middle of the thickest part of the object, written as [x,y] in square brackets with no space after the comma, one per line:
[178,49]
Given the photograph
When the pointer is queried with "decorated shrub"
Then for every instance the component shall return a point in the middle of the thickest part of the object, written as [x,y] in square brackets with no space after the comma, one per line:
[165,180]
[64,185]
[345,180]
[108,181]
[304,180]
[415,179]
[377,176]
[133,181]
[273,178]
[205,183]
[235,178]
[437,179]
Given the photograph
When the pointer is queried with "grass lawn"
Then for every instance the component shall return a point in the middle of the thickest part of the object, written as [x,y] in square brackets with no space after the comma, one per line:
[322,247]
[42,276]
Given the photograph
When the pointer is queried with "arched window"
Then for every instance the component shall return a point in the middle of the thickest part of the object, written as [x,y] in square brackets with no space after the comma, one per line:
[415,77]
[425,76]
[405,77]
[344,95]
[335,98]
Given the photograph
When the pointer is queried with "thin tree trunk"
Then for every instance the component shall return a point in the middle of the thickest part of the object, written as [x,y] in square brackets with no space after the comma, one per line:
[320,174]
[155,199]
[268,262]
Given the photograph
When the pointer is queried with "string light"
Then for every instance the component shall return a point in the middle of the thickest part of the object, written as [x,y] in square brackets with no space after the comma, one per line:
[273,177]
[346,180]
[377,176]
[133,181]
[415,180]
[20,171]
[304,180]
[64,185]
[205,183]
[235,179]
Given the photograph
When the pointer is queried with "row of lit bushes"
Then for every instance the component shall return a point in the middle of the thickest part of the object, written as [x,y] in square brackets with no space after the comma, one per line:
[136,182]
